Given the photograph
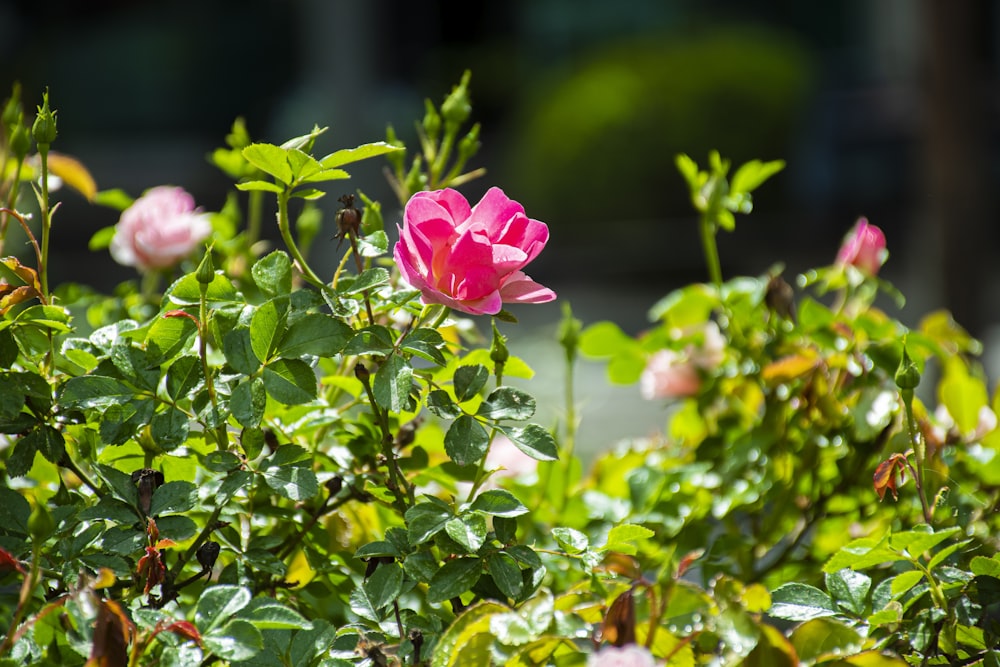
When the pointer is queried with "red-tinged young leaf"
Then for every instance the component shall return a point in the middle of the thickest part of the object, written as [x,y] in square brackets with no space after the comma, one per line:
[889,475]
[7,561]
[185,629]
[619,623]
[112,633]
[687,561]
[181,313]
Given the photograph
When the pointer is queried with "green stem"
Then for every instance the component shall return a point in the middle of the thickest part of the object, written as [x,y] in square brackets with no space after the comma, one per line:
[920,452]
[397,481]
[43,264]
[255,206]
[293,248]
[221,434]
[11,203]
[711,250]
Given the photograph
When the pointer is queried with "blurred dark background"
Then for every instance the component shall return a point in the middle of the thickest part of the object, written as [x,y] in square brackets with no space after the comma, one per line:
[886,109]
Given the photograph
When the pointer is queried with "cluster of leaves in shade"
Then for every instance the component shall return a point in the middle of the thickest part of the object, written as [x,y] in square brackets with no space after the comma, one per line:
[262,466]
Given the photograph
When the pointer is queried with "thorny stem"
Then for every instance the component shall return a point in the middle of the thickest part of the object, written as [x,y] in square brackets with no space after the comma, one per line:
[397,481]
[70,465]
[43,260]
[221,434]
[27,590]
[352,236]
[920,452]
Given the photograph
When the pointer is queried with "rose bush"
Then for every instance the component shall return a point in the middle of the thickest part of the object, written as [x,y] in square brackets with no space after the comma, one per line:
[470,258]
[260,465]
[159,229]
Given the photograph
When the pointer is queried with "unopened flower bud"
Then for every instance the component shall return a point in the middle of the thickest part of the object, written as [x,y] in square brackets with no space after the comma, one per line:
[12,113]
[907,375]
[20,141]
[432,121]
[469,145]
[498,349]
[456,107]
[44,128]
[206,269]
[40,523]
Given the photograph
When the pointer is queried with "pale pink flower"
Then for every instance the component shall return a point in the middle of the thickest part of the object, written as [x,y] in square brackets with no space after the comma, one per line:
[159,229]
[470,258]
[631,655]
[672,374]
[508,459]
[668,374]
[864,247]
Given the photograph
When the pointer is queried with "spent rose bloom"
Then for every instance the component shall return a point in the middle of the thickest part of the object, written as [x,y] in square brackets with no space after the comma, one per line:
[864,247]
[672,374]
[470,258]
[159,229]
[630,655]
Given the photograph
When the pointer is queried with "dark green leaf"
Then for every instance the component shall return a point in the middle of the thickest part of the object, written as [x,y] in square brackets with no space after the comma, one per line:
[292,482]
[120,483]
[507,403]
[426,343]
[384,585]
[290,381]
[183,376]
[368,279]
[469,380]
[800,602]
[375,339]
[498,502]
[505,529]
[167,337]
[221,461]
[238,348]
[236,640]
[273,274]
[506,573]
[466,440]
[468,530]
[534,441]
[454,578]
[48,441]
[173,497]
[235,482]
[570,539]
[316,334]
[248,402]
[392,383]
[94,391]
[169,428]
[218,603]
[440,403]
[267,326]
[186,291]
[373,244]
[424,520]
[268,614]
[14,510]
[849,589]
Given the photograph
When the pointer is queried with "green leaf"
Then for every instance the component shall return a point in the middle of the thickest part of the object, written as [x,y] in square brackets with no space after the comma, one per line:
[183,376]
[120,483]
[862,553]
[468,530]
[875,409]
[218,603]
[273,274]
[688,306]
[290,381]
[392,383]
[753,173]
[468,640]
[47,440]
[270,159]
[237,346]
[293,482]
[962,394]
[248,402]
[186,291]
[14,510]
[980,565]
[466,440]
[498,502]
[822,637]
[800,602]
[849,589]
[454,578]
[903,582]
[440,403]
[236,640]
[507,403]
[425,343]
[269,614]
[385,585]
[622,538]
[173,497]
[374,339]
[316,334]
[94,391]
[534,441]
[369,279]
[424,520]
[916,542]
[167,337]
[169,428]
[373,244]
[570,539]
[363,152]
[267,326]
[469,380]
[259,186]
[506,574]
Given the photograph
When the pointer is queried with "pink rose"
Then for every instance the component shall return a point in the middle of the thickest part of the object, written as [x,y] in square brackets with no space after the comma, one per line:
[470,259]
[631,655]
[864,247]
[159,229]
